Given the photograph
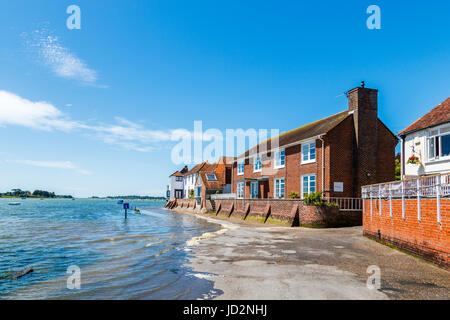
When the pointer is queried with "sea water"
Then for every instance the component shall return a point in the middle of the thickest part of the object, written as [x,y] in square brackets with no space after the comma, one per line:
[142,257]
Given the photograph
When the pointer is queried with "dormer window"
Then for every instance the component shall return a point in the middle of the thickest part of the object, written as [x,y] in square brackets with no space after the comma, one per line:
[211,177]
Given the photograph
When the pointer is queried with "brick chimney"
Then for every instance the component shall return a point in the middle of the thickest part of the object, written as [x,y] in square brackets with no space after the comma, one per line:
[364,103]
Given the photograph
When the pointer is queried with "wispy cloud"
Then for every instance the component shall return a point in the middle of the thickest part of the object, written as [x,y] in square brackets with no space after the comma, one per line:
[58,58]
[66,165]
[15,110]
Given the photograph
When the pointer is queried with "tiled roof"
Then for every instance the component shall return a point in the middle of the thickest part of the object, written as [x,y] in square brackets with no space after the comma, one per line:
[439,114]
[216,185]
[176,174]
[308,131]
[195,169]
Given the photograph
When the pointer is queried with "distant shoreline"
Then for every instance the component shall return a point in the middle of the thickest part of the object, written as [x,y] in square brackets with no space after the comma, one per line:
[33,197]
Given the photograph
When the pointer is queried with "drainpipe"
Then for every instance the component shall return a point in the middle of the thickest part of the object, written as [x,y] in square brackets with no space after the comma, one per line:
[323,162]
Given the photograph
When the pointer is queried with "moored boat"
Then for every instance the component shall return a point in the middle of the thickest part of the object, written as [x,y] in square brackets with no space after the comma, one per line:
[14,203]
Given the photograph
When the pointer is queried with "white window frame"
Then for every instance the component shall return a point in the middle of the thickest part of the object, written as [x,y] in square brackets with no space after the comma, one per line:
[279,166]
[437,137]
[277,190]
[211,174]
[309,184]
[239,173]
[257,164]
[240,190]
[308,144]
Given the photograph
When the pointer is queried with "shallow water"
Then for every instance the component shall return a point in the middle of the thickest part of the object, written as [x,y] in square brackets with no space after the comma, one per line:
[142,257]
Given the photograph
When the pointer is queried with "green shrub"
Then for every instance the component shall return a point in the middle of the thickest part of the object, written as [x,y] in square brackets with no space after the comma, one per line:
[316,199]
[294,195]
[191,194]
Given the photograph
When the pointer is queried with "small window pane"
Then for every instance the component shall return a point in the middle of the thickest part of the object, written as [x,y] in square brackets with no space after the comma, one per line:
[445,140]
[431,150]
[445,129]
[312,151]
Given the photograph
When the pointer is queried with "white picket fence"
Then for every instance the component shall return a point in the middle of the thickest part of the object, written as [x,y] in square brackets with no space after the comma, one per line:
[427,187]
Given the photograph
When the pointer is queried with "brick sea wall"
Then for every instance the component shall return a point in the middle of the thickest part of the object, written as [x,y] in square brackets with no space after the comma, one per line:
[420,235]
[290,212]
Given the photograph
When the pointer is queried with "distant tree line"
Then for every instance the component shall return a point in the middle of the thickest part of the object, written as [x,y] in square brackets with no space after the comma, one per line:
[35,194]
[135,197]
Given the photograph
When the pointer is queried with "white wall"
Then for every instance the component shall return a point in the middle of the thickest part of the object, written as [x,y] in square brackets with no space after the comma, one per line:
[189,184]
[175,185]
[418,140]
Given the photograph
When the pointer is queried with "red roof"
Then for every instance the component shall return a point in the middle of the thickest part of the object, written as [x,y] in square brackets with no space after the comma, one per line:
[176,174]
[439,114]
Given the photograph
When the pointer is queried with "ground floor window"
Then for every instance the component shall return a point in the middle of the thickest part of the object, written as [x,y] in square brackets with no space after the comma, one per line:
[240,190]
[308,184]
[279,188]
[198,192]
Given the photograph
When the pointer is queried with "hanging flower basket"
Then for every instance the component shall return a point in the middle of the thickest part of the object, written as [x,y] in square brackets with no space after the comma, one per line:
[413,160]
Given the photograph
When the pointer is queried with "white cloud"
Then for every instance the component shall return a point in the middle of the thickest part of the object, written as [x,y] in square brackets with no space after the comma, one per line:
[60,59]
[15,110]
[66,165]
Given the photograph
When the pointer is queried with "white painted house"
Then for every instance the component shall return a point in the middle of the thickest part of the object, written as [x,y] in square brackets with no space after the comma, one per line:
[190,179]
[425,144]
[176,184]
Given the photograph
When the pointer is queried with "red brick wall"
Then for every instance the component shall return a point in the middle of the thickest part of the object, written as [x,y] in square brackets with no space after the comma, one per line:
[340,155]
[426,238]
[293,212]
[385,155]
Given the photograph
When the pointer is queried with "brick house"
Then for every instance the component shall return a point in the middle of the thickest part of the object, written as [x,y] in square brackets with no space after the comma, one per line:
[428,140]
[336,155]
[212,179]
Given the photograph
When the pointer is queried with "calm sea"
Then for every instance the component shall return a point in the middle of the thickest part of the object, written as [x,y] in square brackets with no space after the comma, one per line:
[142,257]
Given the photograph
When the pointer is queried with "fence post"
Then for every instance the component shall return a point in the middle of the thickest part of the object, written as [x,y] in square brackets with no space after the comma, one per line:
[379,199]
[390,200]
[419,215]
[438,198]
[363,196]
[403,199]
[371,205]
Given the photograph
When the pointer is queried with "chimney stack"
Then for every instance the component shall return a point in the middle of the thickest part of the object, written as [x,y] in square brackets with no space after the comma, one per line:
[364,104]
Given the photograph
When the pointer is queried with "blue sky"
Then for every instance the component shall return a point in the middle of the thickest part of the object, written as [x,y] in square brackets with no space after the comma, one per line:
[88,112]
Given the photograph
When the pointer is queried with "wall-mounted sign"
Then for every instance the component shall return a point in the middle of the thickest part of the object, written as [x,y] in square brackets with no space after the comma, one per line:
[338,187]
